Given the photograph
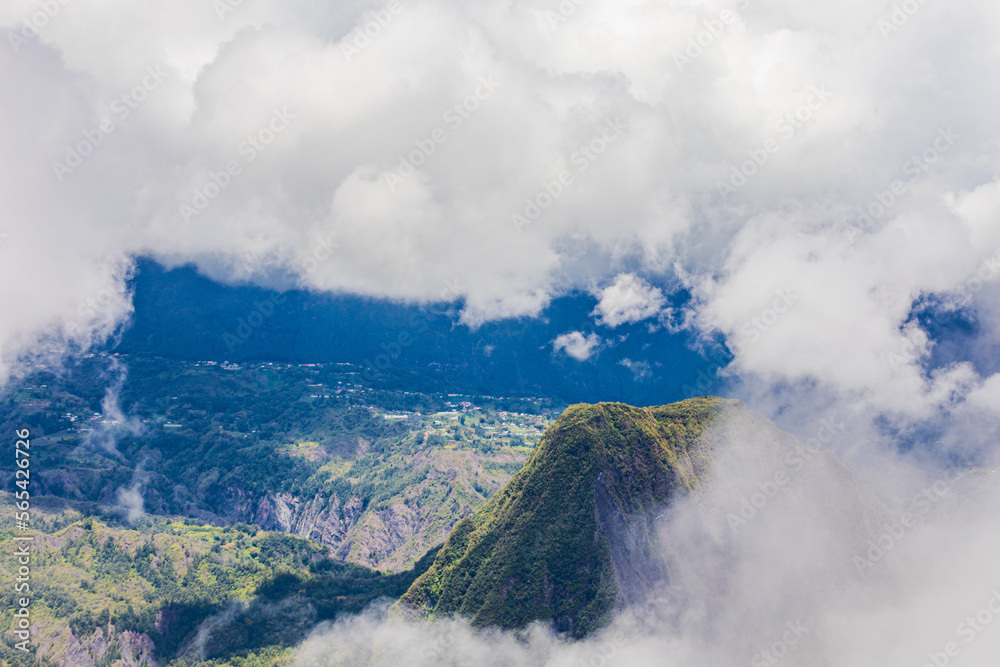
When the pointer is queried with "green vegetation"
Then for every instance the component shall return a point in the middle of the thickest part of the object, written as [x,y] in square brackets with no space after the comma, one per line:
[239,446]
[201,594]
[223,442]
[535,551]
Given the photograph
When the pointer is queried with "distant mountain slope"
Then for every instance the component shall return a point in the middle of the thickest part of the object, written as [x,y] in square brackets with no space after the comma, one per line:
[574,535]
[181,314]
[170,591]
[379,477]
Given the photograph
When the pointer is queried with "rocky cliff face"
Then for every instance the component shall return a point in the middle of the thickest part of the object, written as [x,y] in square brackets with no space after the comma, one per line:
[320,518]
[390,535]
[631,541]
[106,646]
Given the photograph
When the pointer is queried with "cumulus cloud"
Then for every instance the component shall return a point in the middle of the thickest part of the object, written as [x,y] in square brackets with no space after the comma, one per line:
[627,300]
[399,152]
[576,344]
[987,396]
[829,306]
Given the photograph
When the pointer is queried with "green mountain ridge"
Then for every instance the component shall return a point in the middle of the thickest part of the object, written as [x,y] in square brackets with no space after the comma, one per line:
[538,549]
[579,533]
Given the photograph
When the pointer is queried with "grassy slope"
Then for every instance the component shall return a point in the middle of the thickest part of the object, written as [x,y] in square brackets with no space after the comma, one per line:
[534,552]
[165,577]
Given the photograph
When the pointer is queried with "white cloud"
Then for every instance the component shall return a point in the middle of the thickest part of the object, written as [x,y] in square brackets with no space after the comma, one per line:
[577,345]
[315,199]
[821,305]
[640,369]
[987,396]
[131,500]
[627,300]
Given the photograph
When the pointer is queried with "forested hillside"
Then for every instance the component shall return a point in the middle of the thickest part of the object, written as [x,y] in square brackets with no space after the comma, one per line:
[379,476]
[176,591]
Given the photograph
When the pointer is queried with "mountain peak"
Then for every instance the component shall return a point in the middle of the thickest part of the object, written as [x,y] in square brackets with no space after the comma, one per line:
[568,537]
